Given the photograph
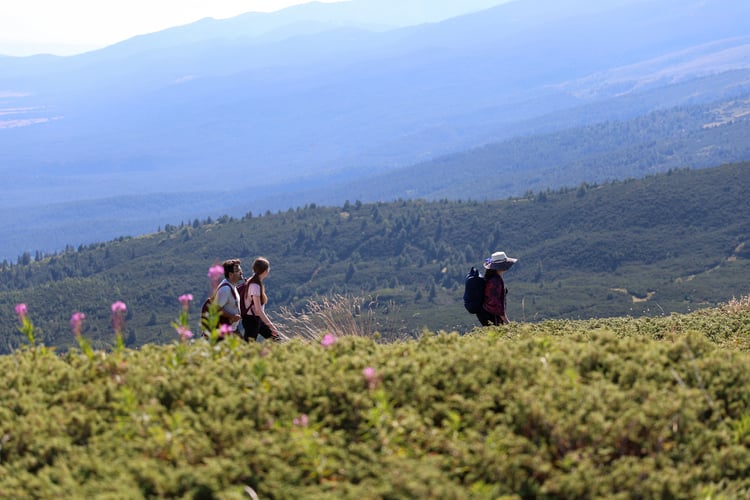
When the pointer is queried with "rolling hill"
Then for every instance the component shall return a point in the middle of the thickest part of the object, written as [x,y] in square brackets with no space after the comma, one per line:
[671,242]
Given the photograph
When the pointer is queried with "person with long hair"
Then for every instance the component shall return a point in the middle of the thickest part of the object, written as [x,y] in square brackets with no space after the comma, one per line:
[256,321]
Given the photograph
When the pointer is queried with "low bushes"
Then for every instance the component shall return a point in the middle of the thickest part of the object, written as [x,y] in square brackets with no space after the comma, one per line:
[604,408]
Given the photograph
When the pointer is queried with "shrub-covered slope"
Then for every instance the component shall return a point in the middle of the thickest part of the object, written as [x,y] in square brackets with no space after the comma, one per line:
[636,408]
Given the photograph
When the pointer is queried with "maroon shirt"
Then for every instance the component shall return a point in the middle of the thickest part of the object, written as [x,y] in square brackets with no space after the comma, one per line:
[494,296]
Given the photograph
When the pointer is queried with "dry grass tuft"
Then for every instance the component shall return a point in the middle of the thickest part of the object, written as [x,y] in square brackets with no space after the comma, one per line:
[341,316]
[735,306]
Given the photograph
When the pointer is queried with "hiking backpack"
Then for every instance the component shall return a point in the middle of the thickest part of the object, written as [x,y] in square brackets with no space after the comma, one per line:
[242,289]
[474,291]
[207,304]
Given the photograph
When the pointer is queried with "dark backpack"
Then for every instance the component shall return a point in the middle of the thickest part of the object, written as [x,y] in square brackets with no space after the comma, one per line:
[241,289]
[474,291]
[207,304]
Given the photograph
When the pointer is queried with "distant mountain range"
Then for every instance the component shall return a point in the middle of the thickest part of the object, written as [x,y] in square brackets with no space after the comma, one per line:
[325,102]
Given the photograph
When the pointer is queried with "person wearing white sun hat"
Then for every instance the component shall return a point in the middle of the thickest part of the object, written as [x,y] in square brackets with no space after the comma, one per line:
[493,308]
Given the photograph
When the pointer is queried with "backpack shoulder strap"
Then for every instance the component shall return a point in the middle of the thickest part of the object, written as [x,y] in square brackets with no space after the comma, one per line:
[216,292]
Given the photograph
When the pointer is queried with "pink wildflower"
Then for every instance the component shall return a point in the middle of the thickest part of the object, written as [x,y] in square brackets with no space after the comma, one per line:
[21,311]
[119,307]
[184,332]
[301,421]
[76,323]
[185,300]
[371,376]
[225,330]
[118,314]
[215,274]
[26,327]
[328,340]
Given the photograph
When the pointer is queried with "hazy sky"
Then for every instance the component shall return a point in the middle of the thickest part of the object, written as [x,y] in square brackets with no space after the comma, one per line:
[65,27]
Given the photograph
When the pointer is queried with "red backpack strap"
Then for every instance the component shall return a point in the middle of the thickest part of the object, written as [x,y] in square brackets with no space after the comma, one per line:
[216,292]
[242,290]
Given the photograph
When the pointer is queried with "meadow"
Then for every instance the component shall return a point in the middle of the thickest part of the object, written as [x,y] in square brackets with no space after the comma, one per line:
[617,408]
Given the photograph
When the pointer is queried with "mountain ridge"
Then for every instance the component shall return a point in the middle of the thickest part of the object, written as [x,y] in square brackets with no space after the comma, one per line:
[529,156]
[368,103]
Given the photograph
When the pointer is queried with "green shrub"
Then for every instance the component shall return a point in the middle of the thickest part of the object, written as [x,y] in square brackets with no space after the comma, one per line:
[621,408]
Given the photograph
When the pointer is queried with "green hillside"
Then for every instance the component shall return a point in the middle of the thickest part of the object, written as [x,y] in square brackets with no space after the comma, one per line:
[667,243]
[616,408]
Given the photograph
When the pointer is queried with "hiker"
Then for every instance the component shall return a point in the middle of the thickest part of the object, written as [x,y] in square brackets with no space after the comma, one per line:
[227,297]
[493,307]
[256,321]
